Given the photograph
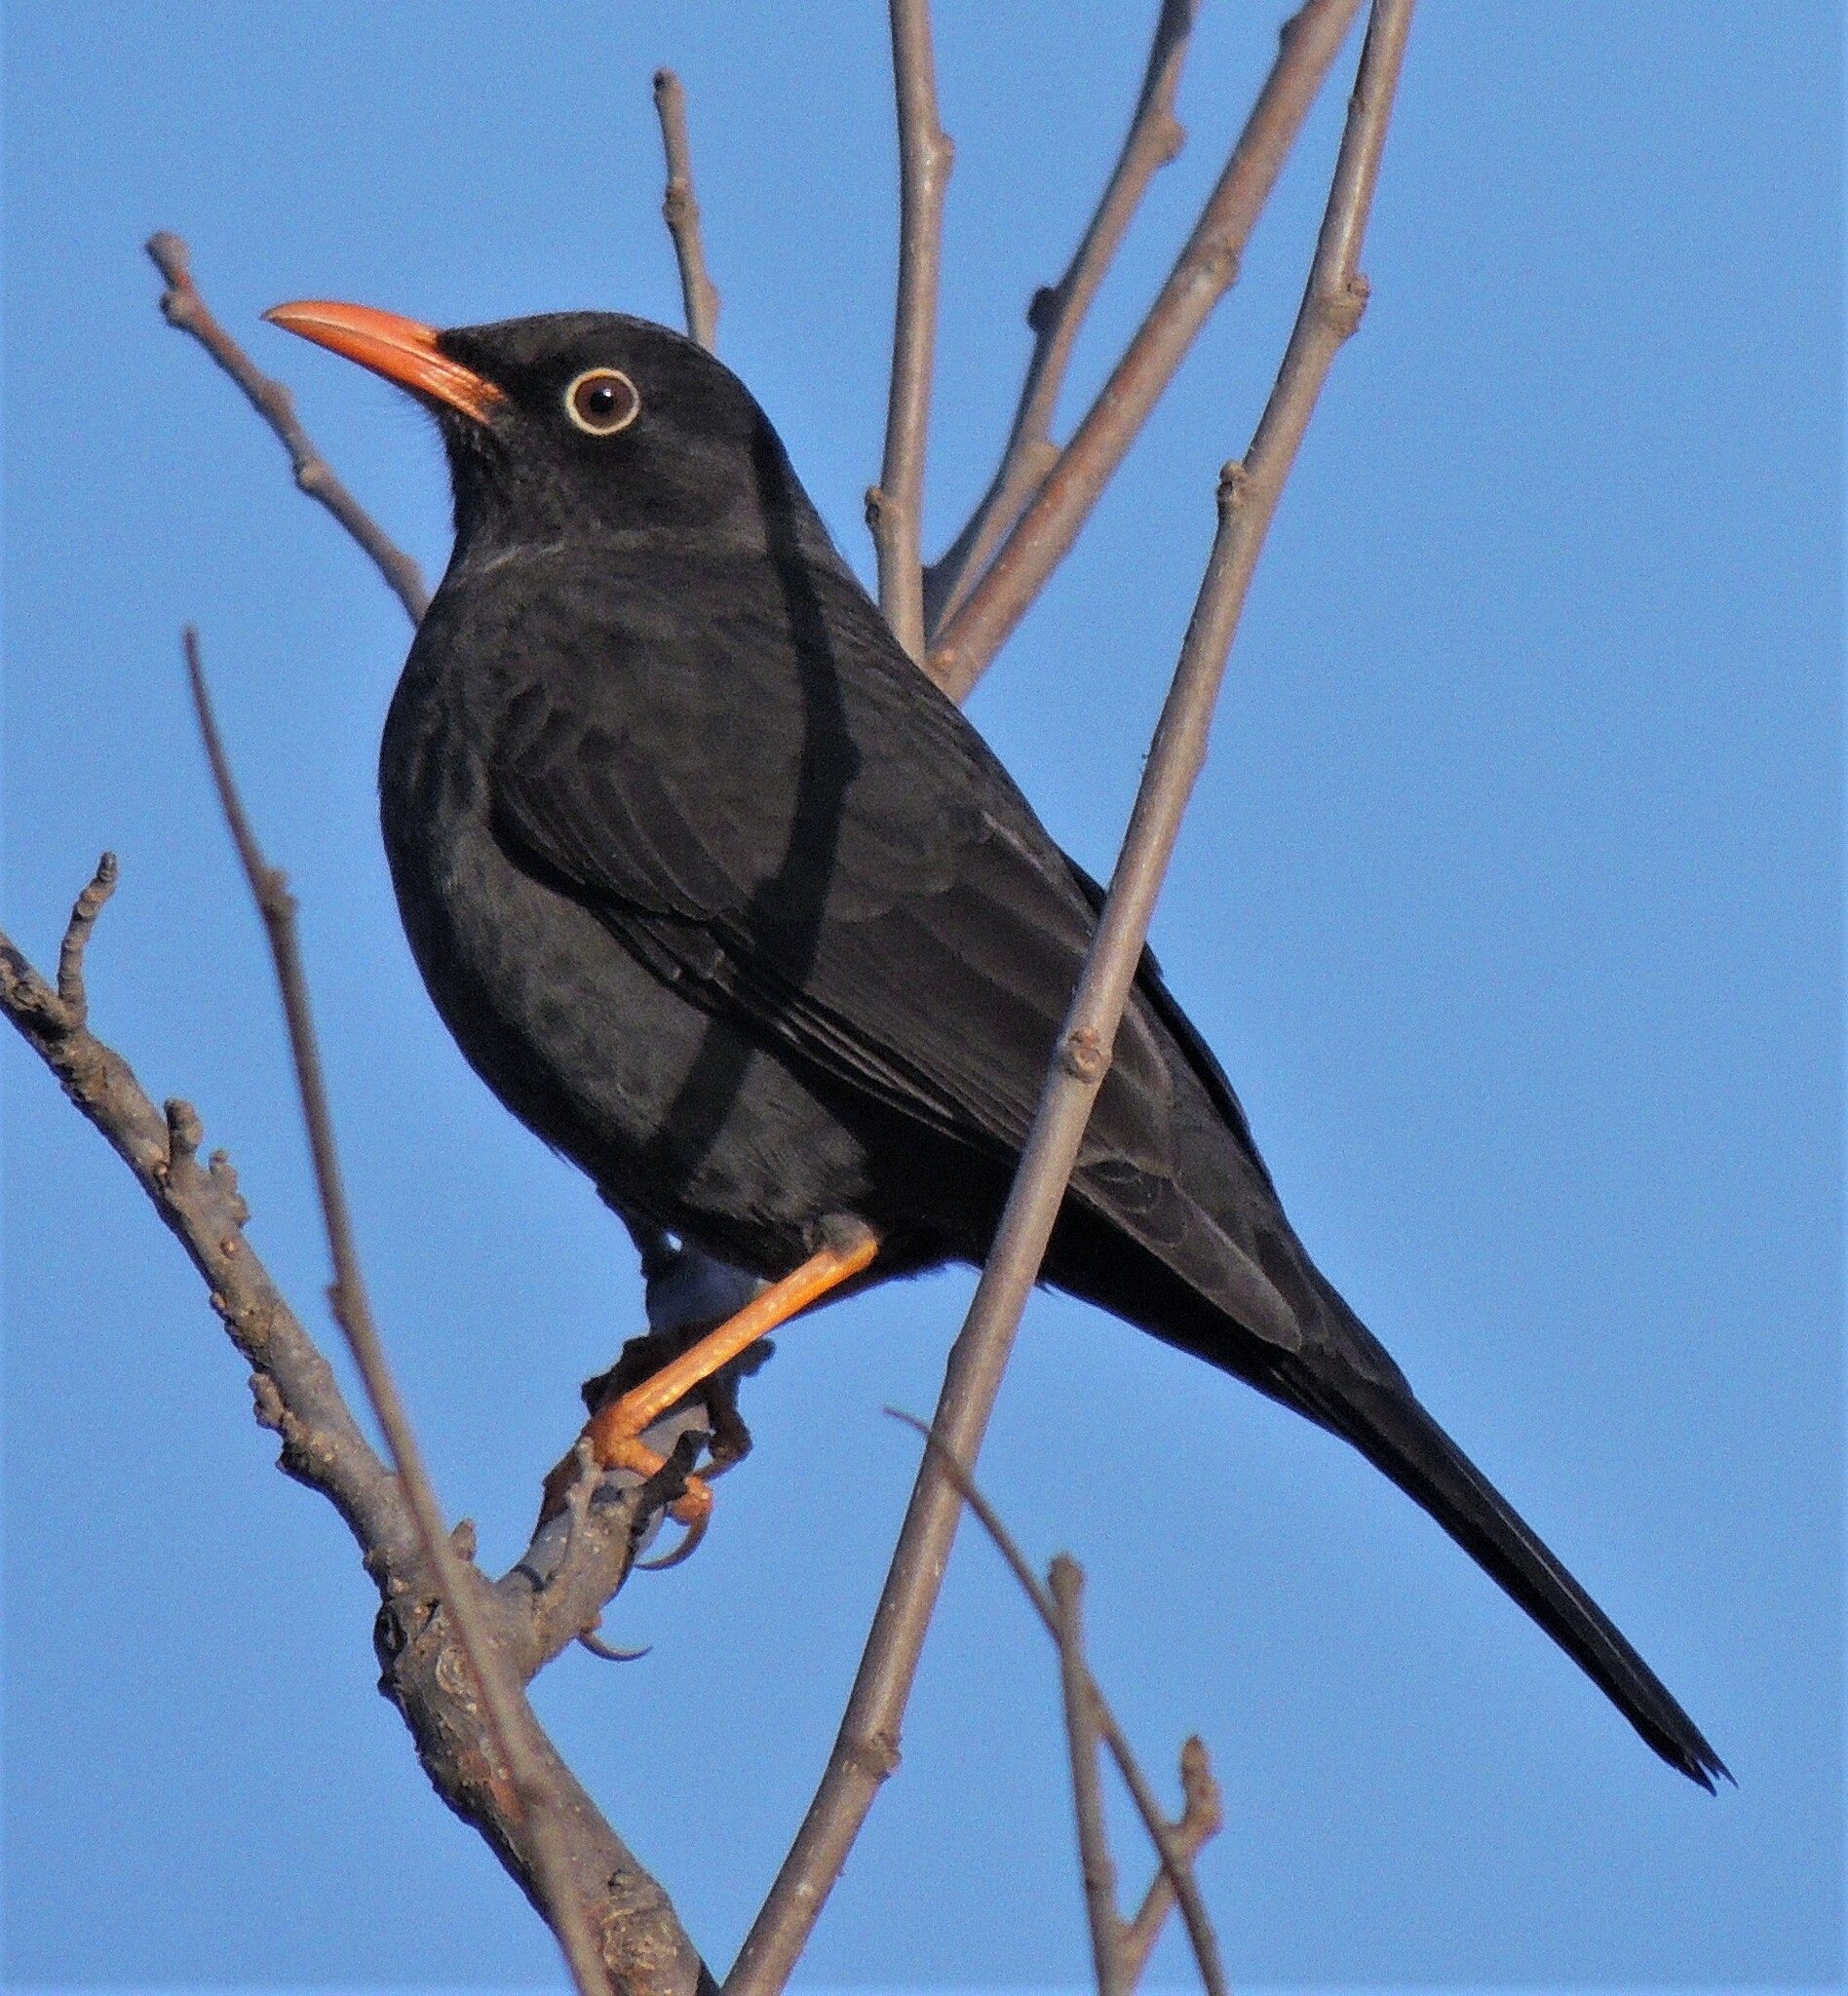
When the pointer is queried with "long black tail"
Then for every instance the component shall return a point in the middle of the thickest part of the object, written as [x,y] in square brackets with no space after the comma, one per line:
[1385,1422]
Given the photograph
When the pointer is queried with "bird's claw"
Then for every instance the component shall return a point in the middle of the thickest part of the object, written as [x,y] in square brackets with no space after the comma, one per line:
[598,1647]
[694,1511]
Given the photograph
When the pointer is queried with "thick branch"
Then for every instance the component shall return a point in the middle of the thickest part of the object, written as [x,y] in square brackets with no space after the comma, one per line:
[681,212]
[1207,266]
[182,306]
[867,1747]
[1056,315]
[894,505]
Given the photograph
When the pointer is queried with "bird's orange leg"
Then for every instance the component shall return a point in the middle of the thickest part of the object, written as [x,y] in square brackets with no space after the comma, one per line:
[613,1430]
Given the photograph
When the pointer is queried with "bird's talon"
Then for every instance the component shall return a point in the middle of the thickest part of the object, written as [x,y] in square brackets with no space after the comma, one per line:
[694,1511]
[598,1647]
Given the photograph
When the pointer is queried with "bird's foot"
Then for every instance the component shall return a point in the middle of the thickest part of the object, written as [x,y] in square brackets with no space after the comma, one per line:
[619,1418]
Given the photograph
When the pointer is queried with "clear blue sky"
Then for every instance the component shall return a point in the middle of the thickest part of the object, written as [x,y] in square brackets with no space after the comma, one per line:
[1510,899]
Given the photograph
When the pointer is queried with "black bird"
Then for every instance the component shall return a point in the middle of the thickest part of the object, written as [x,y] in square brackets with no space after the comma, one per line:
[729,905]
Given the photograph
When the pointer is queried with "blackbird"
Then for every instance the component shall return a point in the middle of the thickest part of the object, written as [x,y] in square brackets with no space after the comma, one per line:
[733,907]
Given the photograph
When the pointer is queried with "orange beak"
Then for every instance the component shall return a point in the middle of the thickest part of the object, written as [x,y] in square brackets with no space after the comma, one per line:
[400,349]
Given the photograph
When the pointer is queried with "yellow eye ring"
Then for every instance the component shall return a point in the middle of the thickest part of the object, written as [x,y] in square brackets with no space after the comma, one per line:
[602,401]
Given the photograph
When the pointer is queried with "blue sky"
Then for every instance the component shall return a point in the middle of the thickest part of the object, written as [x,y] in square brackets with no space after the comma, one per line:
[1511,899]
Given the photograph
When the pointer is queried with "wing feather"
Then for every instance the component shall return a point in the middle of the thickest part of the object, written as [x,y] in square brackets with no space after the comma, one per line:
[879,897]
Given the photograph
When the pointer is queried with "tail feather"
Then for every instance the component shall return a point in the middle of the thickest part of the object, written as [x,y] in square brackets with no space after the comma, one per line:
[1385,1422]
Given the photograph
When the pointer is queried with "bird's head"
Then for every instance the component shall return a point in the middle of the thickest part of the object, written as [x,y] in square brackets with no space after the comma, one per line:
[574,424]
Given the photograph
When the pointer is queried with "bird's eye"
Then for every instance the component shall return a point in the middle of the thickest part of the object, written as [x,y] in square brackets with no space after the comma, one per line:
[602,401]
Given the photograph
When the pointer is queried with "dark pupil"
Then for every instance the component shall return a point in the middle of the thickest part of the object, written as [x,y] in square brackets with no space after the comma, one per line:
[603,403]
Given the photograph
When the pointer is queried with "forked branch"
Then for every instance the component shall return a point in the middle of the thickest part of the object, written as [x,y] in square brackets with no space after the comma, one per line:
[1202,1818]
[1207,266]
[867,1746]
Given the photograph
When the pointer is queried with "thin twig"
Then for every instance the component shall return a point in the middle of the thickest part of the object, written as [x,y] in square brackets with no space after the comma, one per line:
[894,505]
[1058,314]
[1066,1583]
[1176,1844]
[681,212]
[88,904]
[182,306]
[867,1747]
[501,1700]
[1206,268]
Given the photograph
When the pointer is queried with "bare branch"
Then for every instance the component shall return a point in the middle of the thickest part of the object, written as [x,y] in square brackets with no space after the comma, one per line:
[1066,1584]
[1056,315]
[182,306]
[867,1747]
[1176,1844]
[510,1724]
[681,212]
[321,1447]
[1208,267]
[295,1394]
[894,505]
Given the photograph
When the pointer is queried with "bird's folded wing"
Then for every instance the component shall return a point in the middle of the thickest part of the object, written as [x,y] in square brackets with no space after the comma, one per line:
[824,851]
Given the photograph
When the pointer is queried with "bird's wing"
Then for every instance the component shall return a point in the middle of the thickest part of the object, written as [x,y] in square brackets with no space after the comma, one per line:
[771,805]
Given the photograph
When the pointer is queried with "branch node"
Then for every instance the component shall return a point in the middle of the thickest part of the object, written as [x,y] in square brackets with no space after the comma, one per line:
[876,507]
[1344,309]
[875,1753]
[1235,484]
[265,1394]
[1043,306]
[462,1538]
[456,1678]
[183,1133]
[1084,1054]
[224,1176]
